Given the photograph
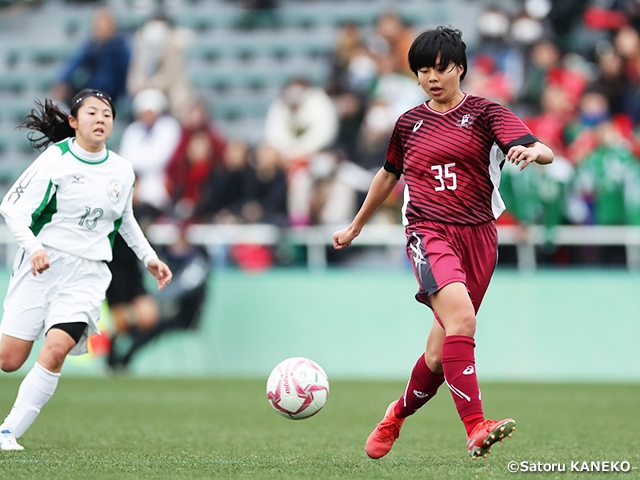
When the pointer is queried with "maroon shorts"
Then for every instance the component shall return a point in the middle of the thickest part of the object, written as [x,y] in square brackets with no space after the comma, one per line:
[443,253]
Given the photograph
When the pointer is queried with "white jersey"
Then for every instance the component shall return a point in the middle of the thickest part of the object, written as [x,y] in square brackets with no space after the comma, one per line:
[75,201]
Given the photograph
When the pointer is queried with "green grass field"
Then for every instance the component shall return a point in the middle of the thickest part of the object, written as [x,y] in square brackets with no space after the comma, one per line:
[130,428]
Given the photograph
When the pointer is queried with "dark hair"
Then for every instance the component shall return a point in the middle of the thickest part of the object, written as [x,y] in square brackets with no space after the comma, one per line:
[53,123]
[444,41]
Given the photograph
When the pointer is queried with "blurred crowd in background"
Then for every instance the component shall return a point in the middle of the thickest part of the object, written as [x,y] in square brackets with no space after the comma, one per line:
[570,69]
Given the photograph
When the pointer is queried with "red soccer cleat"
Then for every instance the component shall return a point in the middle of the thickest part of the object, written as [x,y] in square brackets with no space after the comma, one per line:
[487,433]
[386,432]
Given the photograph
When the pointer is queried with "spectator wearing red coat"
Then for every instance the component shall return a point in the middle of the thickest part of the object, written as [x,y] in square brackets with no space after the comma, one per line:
[199,152]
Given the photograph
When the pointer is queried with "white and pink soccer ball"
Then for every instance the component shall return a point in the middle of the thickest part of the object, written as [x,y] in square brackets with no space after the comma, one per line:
[297,388]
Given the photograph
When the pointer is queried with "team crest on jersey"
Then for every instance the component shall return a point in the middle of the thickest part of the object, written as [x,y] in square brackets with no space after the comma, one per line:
[466,120]
[417,125]
[115,188]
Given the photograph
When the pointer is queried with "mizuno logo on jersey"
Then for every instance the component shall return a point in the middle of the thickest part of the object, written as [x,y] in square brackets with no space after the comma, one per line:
[417,125]
[78,179]
[21,187]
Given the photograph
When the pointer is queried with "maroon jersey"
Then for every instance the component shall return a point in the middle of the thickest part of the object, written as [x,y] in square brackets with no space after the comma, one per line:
[446,158]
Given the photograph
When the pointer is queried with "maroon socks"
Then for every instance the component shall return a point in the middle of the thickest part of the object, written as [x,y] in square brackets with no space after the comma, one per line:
[459,366]
[423,385]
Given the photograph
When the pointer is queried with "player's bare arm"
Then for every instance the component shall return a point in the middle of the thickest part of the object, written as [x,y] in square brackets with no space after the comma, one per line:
[39,261]
[161,272]
[381,187]
[523,155]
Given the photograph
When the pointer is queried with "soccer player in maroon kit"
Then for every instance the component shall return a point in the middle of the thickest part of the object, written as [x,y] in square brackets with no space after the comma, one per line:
[445,150]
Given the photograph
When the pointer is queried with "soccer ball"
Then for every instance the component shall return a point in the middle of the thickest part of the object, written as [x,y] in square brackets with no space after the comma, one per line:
[297,388]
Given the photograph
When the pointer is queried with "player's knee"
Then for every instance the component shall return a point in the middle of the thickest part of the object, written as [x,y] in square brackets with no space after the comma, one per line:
[434,361]
[10,363]
[53,357]
[464,325]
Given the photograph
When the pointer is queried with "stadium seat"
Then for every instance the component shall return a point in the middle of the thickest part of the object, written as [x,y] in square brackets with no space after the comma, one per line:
[130,21]
[43,81]
[45,54]
[315,15]
[205,50]
[13,112]
[15,140]
[251,129]
[10,169]
[13,82]
[235,107]
[209,78]
[196,20]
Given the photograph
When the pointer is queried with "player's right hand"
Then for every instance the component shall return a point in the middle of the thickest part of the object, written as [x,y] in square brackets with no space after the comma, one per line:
[161,271]
[343,238]
[39,262]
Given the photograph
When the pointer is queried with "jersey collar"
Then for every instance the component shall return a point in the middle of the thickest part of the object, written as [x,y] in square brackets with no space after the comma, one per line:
[464,99]
[87,157]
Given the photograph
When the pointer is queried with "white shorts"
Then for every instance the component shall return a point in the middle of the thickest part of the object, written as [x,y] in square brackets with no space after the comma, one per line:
[71,290]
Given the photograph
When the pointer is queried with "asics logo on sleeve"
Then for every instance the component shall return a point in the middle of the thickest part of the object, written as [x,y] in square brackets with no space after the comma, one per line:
[469,370]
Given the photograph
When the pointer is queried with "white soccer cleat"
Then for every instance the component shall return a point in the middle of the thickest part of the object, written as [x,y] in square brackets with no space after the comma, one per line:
[8,441]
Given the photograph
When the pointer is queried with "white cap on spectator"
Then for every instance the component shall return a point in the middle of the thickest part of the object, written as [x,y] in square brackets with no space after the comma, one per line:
[150,99]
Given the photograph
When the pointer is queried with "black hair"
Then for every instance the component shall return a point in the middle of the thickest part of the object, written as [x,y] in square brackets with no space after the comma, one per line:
[444,41]
[53,123]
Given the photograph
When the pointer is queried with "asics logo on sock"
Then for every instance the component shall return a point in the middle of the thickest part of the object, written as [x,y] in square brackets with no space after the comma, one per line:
[420,394]
[469,370]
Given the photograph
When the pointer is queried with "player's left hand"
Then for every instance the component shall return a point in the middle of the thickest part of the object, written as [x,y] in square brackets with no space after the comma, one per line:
[161,271]
[521,155]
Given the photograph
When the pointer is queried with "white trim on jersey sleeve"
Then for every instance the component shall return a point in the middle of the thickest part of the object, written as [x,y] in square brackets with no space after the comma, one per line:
[496,158]
[26,195]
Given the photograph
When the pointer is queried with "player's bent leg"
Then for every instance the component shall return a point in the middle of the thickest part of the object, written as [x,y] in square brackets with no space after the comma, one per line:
[40,383]
[385,434]
[58,343]
[487,433]
[13,352]
[453,306]
[35,391]
[433,353]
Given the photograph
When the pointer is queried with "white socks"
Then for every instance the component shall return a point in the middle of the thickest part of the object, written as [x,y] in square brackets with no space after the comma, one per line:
[35,390]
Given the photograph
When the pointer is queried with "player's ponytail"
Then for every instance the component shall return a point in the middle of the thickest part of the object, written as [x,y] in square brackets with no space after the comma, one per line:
[48,120]
[53,123]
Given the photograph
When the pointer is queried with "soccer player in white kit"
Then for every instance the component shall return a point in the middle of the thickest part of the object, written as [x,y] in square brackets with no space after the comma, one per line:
[64,212]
